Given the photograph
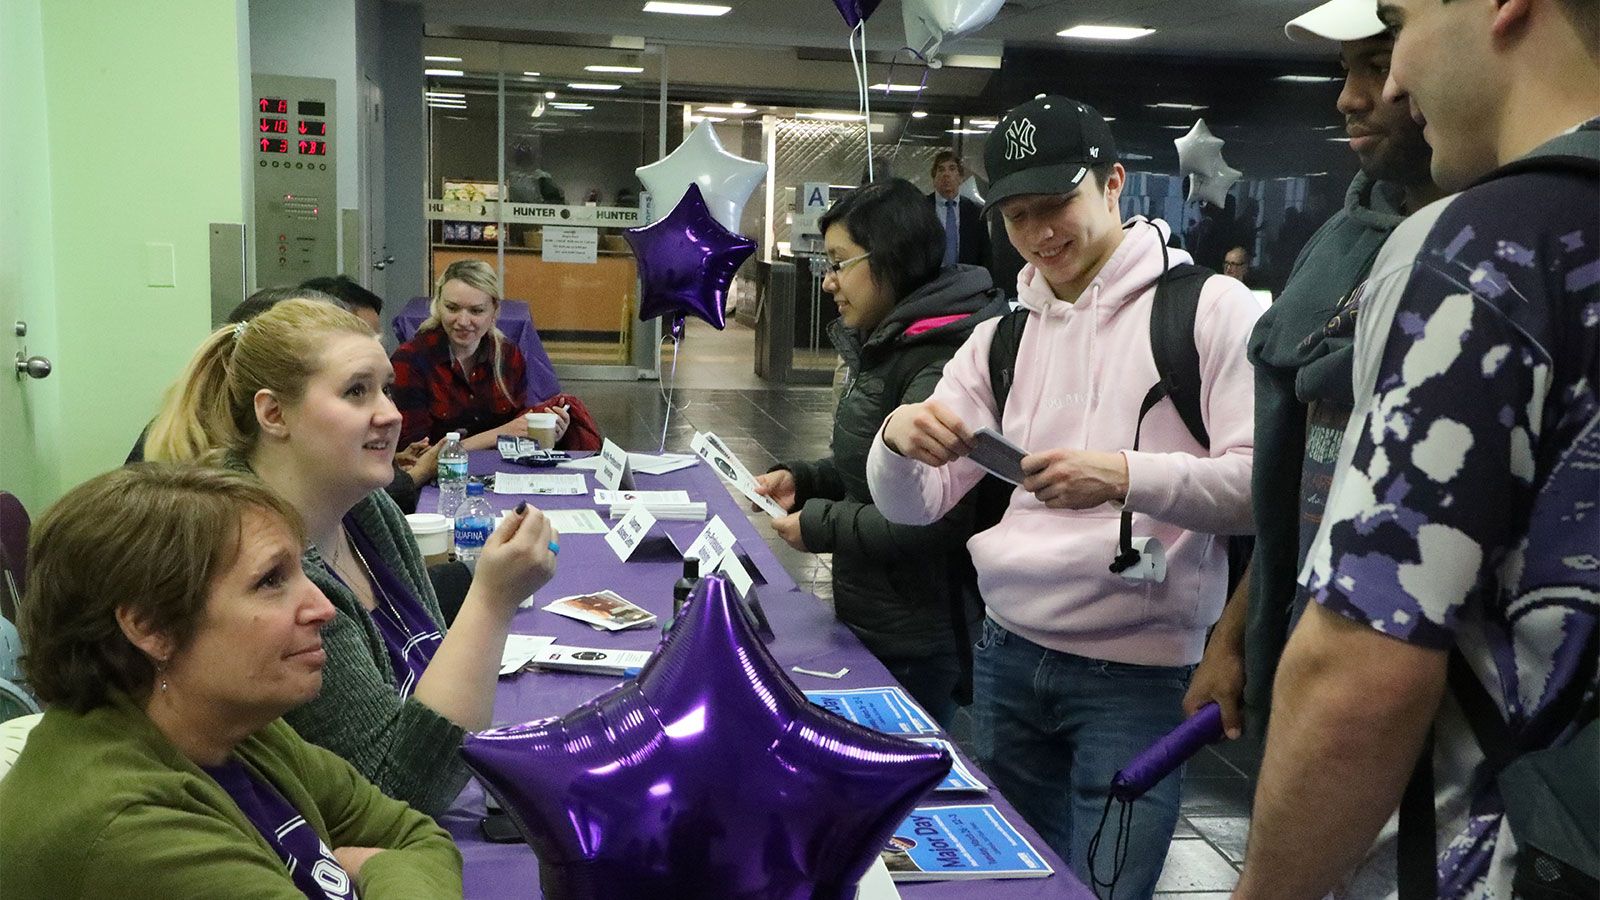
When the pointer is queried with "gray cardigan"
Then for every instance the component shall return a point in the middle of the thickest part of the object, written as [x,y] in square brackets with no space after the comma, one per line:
[409,751]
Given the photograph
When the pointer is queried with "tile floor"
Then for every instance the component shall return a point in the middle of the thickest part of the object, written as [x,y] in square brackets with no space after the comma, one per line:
[717,390]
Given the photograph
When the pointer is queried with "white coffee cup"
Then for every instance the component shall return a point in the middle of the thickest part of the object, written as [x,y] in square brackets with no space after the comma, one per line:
[542,428]
[434,535]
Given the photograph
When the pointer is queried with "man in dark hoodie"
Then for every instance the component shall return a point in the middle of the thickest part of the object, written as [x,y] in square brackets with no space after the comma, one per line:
[902,589]
[1302,351]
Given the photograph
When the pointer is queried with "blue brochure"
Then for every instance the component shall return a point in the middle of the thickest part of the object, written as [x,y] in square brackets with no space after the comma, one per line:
[886,709]
[960,777]
[938,843]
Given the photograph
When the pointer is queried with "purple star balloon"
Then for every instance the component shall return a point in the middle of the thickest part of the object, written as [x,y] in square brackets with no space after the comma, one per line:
[708,776]
[686,262]
[855,11]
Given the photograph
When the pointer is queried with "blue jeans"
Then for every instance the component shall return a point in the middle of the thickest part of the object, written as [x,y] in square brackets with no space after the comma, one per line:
[1052,729]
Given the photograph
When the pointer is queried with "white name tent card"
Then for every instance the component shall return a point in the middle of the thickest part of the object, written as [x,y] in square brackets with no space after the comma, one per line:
[630,532]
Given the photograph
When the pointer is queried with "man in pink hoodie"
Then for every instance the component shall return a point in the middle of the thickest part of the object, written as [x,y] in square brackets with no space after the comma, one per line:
[1080,669]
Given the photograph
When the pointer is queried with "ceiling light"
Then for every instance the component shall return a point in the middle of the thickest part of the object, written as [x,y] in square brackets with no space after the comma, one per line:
[707,119]
[984,123]
[686,9]
[1136,157]
[919,114]
[897,88]
[549,95]
[572,106]
[441,59]
[1188,106]
[531,74]
[831,116]
[964,131]
[1178,127]
[594,86]
[444,73]
[738,104]
[1308,79]
[1104,32]
[1313,175]
[444,95]
[616,70]
[445,104]
[739,110]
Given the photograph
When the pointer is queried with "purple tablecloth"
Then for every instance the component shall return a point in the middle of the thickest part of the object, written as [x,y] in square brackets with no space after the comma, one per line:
[517,324]
[806,634]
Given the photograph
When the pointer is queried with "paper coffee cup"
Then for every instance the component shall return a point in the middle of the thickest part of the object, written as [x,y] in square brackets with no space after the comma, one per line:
[434,535]
[542,428]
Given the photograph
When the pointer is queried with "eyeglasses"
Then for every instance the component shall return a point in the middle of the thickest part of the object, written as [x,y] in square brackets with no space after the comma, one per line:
[834,268]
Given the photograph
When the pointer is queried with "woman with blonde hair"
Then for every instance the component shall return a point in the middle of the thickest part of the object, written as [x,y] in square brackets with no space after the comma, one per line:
[459,372]
[300,396]
[169,626]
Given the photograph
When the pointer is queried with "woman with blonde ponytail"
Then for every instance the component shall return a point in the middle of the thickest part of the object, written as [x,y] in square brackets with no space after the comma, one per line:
[300,396]
[459,372]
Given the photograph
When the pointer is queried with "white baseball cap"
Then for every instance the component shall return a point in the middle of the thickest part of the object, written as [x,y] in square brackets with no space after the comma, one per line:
[1337,20]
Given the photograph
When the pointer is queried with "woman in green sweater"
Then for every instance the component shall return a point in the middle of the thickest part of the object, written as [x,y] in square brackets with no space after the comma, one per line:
[300,396]
[168,626]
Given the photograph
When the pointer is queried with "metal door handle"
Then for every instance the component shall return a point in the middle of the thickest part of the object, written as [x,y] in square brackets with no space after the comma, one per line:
[382,264]
[32,366]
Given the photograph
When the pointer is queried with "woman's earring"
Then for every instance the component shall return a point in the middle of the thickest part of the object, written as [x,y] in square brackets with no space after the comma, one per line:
[161,672]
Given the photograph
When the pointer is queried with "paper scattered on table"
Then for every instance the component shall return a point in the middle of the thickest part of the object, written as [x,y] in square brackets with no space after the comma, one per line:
[576,521]
[820,674]
[887,709]
[546,483]
[710,448]
[640,463]
[607,610]
[520,649]
[677,512]
[591,660]
[604,497]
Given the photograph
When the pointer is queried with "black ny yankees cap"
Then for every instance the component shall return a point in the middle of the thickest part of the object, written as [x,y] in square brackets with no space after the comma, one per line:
[1045,146]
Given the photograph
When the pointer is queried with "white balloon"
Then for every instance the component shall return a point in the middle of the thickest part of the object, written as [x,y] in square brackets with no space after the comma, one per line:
[1200,158]
[725,180]
[929,23]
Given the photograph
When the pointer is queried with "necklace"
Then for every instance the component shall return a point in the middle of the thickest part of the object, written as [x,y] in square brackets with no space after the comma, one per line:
[383,603]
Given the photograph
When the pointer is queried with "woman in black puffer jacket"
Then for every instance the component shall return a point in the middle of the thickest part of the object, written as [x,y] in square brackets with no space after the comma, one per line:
[906,591]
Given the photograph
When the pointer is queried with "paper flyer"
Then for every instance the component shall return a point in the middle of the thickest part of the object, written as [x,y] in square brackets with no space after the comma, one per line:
[949,842]
[886,709]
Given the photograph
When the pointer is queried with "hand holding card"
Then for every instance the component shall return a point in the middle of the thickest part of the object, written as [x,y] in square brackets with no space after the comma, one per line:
[996,454]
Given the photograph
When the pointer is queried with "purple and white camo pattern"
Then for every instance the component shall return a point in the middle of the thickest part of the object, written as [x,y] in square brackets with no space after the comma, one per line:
[1465,506]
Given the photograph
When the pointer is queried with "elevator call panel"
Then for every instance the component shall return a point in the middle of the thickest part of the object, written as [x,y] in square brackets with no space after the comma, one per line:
[294,147]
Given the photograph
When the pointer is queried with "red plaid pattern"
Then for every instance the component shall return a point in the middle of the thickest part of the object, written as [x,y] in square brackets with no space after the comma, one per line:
[436,396]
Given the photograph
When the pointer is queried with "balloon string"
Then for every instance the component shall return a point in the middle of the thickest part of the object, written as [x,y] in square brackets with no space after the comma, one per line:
[670,387]
[858,65]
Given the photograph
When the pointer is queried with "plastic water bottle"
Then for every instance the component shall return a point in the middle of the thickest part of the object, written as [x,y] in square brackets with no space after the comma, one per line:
[452,475]
[474,522]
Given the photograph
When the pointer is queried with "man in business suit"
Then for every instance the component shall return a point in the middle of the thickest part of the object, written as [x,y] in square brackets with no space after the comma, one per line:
[968,241]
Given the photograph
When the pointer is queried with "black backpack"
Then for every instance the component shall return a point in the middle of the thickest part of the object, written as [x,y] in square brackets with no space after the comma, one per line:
[1172,316]
[1552,796]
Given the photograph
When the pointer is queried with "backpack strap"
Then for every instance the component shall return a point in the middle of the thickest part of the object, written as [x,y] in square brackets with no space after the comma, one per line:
[1172,343]
[1172,316]
[1003,358]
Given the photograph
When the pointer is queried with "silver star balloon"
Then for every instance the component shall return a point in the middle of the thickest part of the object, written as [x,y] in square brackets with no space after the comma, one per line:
[1200,158]
[725,180]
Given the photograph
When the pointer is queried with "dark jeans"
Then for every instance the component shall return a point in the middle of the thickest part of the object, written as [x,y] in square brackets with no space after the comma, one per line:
[931,681]
[1052,729]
